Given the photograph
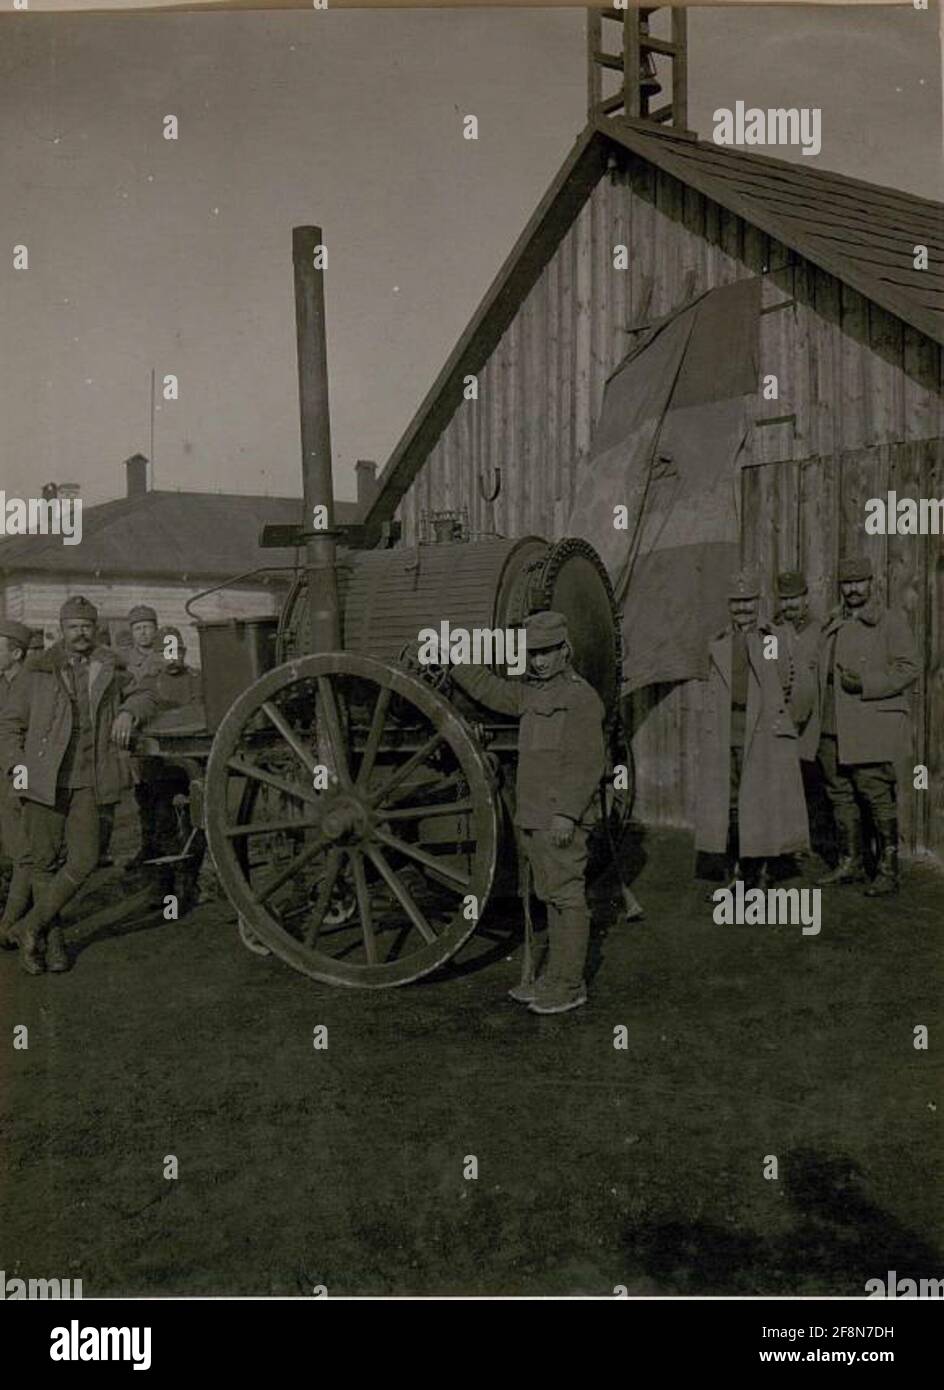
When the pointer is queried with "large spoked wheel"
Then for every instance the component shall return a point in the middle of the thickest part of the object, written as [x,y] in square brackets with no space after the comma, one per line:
[353,820]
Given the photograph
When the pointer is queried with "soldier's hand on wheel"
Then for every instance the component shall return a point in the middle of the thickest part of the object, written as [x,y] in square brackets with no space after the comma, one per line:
[122,728]
[851,681]
[562,831]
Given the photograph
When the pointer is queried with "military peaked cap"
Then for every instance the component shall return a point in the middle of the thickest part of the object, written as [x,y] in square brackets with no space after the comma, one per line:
[790,584]
[543,630]
[78,607]
[855,567]
[745,584]
[142,614]
[16,632]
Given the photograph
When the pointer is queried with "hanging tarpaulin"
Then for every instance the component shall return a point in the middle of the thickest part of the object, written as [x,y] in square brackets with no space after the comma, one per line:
[675,417]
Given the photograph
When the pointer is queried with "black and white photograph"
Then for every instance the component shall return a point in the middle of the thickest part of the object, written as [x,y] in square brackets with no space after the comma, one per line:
[472,659]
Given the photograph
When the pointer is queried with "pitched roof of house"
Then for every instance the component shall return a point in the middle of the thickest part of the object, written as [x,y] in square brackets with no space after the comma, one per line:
[176,535]
[862,233]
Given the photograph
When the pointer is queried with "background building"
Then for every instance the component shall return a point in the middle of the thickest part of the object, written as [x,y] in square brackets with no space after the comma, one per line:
[160,548]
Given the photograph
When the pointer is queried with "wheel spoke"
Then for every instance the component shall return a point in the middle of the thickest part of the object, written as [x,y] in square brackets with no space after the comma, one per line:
[259,774]
[308,853]
[445,808]
[363,904]
[374,736]
[271,827]
[420,756]
[288,733]
[429,861]
[332,869]
[402,895]
[332,720]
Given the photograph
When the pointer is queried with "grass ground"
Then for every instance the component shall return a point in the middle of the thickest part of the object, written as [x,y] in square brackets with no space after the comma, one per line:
[597,1167]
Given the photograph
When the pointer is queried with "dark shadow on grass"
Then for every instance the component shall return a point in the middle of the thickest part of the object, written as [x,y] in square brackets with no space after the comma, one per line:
[839,1240]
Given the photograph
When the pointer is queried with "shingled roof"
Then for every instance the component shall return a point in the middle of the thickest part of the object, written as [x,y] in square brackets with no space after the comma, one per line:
[172,535]
[862,233]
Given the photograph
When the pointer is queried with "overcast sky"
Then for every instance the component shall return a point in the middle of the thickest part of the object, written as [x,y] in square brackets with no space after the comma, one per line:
[177,255]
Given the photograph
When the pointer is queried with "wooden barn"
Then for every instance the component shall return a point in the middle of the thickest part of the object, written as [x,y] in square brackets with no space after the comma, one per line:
[849,327]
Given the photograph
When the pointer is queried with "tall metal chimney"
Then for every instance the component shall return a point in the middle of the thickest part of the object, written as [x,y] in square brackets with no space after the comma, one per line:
[317,483]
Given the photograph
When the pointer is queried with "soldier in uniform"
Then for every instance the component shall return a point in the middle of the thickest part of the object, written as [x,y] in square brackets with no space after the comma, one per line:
[750,804]
[176,686]
[144,659]
[15,641]
[801,631]
[65,720]
[561,759]
[867,664]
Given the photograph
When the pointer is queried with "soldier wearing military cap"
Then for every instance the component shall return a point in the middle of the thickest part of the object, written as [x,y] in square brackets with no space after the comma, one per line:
[15,640]
[750,804]
[67,716]
[159,783]
[867,663]
[801,630]
[144,659]
[561,759]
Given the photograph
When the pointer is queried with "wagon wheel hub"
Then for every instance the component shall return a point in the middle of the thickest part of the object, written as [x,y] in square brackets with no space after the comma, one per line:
[347,818]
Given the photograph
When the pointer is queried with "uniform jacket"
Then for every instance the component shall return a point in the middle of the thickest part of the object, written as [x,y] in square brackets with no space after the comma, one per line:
[36,721]
[561,752]
[872,727]
[142,663]
[803,647]
[6,694]
[177,686]
[771,806]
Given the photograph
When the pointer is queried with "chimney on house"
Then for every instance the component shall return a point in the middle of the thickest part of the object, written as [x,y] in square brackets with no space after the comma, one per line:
[64,490]
[366,483]
[136,471]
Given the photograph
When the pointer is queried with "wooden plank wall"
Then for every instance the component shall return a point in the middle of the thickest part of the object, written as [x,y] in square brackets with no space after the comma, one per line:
[851,378]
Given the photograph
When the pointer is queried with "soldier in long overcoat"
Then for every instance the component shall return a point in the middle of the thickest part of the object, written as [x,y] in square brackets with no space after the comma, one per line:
[867,663]
[750,803]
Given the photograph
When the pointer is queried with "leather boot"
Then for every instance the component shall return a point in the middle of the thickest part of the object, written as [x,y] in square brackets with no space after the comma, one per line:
[57,957]
[18,900]
[755,874]
[31,940]
[147,851]
[568,930]
[850,868]
[886,874]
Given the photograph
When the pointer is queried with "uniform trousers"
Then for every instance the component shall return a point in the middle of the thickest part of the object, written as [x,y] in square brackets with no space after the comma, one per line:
[16,848]
[558,873]
[873,783]
[73,820]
